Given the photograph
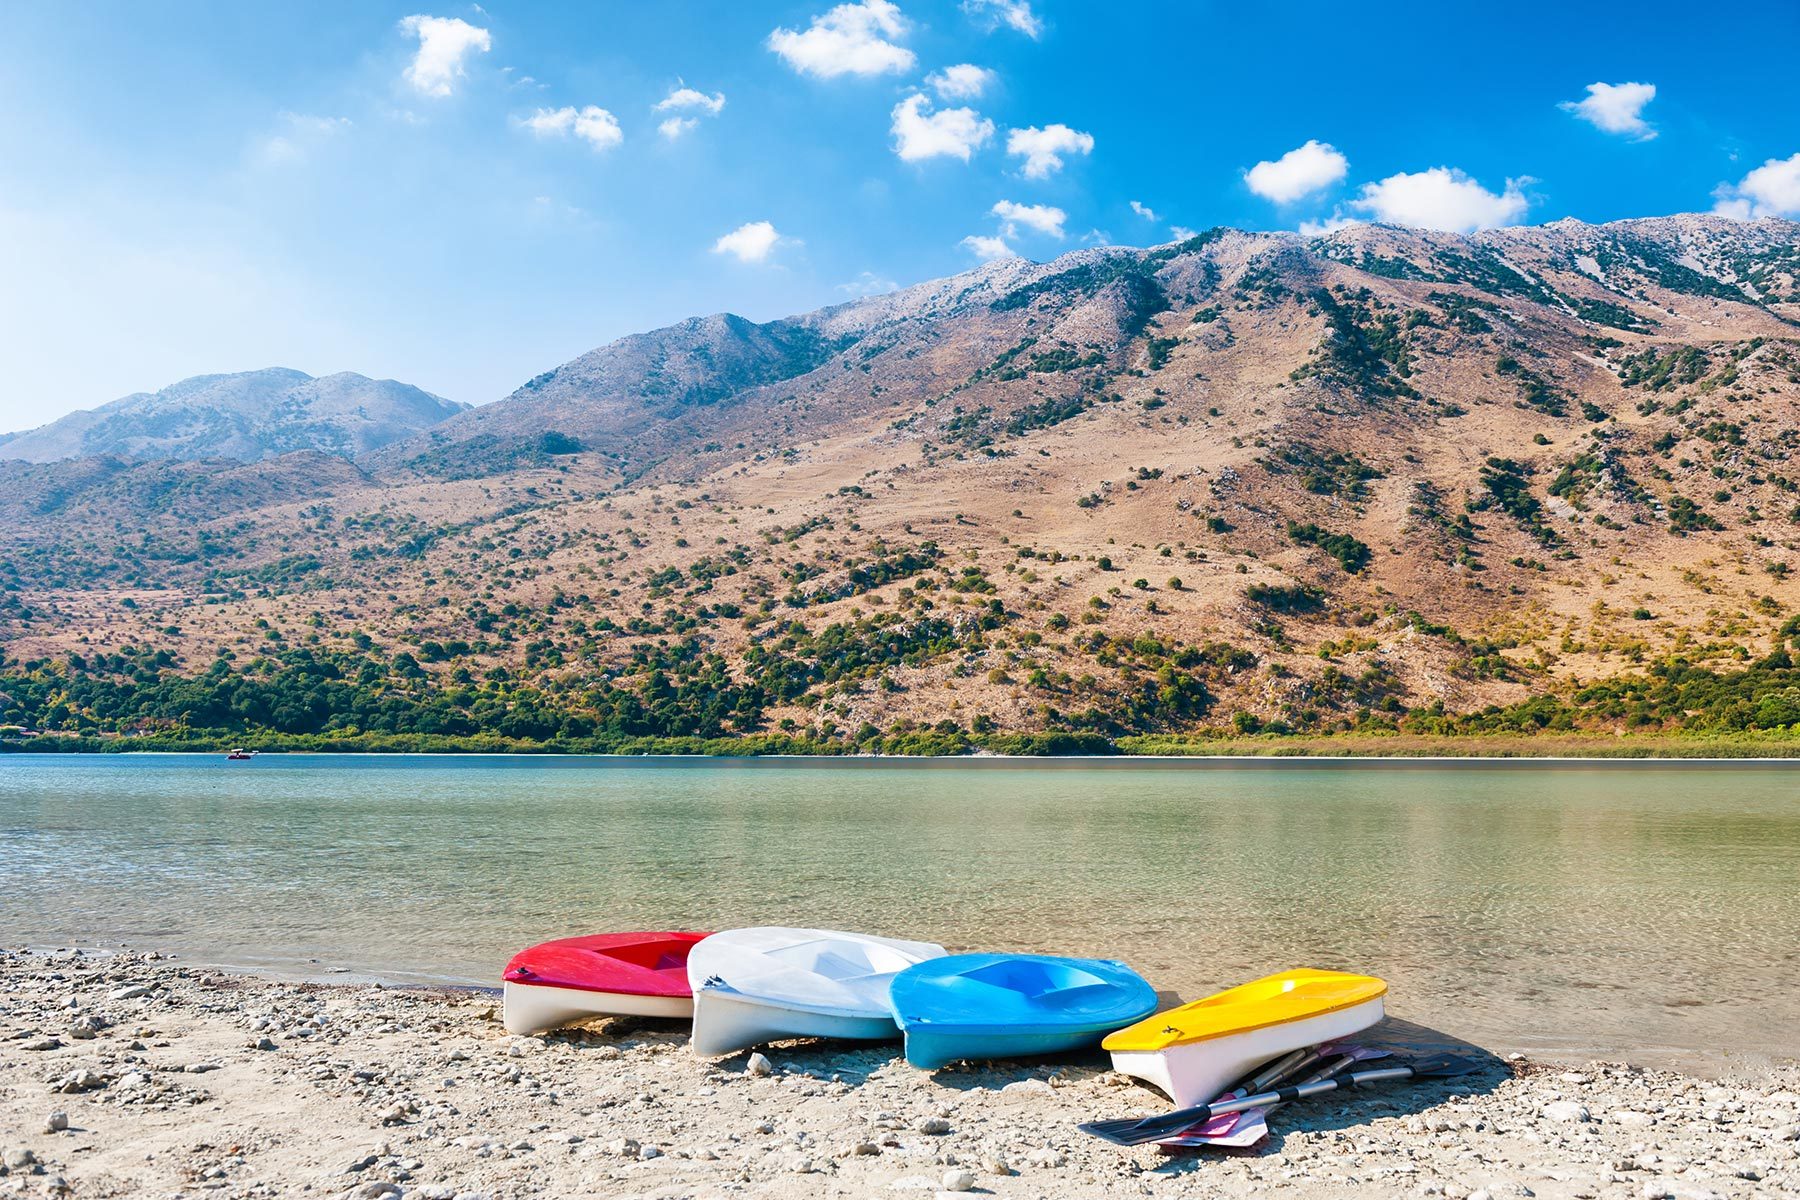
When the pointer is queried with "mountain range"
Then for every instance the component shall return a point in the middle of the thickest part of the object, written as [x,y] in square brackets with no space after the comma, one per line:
[1379,478]
[245,417]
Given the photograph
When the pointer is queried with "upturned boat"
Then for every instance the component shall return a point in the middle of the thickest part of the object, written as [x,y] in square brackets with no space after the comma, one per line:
[979,1006]
[761,985]
[606,975]
[1196,1051]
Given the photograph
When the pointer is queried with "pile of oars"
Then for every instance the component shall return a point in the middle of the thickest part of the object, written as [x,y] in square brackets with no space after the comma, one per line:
[1316,1073]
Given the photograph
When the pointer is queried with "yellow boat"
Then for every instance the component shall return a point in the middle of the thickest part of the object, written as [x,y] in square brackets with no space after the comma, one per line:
[1196,1051]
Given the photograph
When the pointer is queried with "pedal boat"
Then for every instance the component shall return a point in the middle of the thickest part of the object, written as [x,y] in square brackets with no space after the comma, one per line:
[765,984]
[981,1006]
[1197,1051]
[607,975]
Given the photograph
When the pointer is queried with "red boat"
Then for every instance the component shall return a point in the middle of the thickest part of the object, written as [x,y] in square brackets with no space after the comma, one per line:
[605,975]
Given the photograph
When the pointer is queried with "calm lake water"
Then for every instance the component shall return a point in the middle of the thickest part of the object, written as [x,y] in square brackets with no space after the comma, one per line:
[1649,912]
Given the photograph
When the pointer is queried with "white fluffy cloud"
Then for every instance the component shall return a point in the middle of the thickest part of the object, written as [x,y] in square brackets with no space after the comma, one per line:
[444,44]
[987,248]
[1300,172]
[953,133]
[1015,14]
[686,99]
[1441,198]
[751,242]
[964,81]
[1616,108]
[593,125]
[1772,190]
[1143,210]
[851,39]
[1180,233]
[1045,218]
[1043,149]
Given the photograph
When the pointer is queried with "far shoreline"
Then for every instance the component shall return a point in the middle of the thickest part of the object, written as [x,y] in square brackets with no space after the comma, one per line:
[1250,760]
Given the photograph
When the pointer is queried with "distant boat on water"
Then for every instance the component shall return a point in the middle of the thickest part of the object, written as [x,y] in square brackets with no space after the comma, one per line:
[240,755]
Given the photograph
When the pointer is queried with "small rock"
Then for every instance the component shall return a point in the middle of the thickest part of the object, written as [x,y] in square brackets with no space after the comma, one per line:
[759,1064]
[1027,1087]
[129,992]
[623,1147]
[375,1189]
[1629,1118]
[804,1166]
[934,1126]
[864,1149]
[646,1153]
[1656,1189]
[80,1081]
[1566,1110]
[264,1044]
[958,1180]
[1046,1158]
[57,1122]
[43,1043]
[18,1159]
[993,1164]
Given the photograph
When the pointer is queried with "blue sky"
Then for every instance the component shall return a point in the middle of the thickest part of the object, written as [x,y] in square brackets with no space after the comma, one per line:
[461,196]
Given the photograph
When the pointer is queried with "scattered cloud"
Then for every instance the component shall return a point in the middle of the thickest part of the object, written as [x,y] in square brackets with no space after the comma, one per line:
[444,44]
[686,99]
[987,248]
[751,242]
[1771,190]
[1181,233]
[1143,210]
[593,124]
[1043,149]
[1300,172]
[1442,198]
[964,81]
[1616,108]
[1015,14]
[868,284]
[296,135]
[953,133]
[851,39]
[1096,237]
[1044,218]
[1331,224]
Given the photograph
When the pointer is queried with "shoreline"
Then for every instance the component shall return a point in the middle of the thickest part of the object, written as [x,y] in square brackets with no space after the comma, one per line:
[1255,759]
[177,1079]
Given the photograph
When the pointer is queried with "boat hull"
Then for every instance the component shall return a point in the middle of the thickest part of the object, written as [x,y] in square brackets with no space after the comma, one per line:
[1198,1072]
[726,1022]
[537,1008]
[931,1049]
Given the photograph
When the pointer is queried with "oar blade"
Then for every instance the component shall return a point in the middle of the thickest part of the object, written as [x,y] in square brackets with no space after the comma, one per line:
[1446,1066]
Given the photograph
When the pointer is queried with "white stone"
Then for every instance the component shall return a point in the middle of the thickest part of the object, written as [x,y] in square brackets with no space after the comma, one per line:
[958,1180]
[1566,1110]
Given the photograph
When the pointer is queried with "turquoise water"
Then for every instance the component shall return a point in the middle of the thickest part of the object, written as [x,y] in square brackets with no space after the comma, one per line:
[1652,912]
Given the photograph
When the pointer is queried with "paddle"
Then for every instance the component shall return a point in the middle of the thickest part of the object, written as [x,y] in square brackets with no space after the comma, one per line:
[1153,1129]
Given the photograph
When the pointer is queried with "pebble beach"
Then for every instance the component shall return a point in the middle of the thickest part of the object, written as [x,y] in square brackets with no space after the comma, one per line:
[134,1075]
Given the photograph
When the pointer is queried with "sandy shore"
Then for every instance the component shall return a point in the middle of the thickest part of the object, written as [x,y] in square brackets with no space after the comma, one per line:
[143,1077]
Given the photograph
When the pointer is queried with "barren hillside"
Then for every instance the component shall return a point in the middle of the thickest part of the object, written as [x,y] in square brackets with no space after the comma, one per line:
[1377,478]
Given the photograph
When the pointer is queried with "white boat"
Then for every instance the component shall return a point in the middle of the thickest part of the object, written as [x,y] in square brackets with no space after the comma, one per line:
[762,985]
[1197,1051]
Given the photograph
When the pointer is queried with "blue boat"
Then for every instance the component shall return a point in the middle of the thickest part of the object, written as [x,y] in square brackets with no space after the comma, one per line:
[975,1006]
